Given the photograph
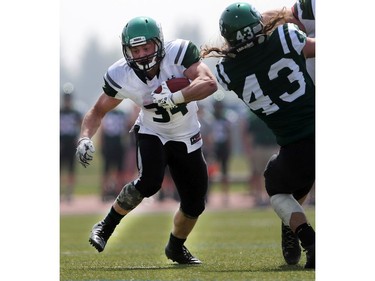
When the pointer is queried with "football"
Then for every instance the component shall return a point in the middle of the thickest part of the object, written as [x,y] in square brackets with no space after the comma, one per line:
[175,84]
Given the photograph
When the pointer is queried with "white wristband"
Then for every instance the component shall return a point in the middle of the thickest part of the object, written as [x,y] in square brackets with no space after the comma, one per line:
[178,97]
[83,138]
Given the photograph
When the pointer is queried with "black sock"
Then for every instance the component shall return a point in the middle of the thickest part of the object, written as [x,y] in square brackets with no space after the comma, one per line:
[306,235]
[113,218]
[175,243]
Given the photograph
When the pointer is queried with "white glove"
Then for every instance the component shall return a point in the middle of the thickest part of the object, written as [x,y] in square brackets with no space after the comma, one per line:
[164,98]
[85,151]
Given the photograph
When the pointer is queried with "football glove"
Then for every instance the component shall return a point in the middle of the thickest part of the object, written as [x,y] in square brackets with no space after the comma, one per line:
[164,98]
[85,151]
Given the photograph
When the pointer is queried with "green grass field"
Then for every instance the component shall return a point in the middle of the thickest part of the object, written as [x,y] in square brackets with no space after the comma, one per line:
[233,245]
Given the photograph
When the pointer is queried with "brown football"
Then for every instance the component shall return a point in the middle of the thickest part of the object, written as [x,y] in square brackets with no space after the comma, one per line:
[175,84]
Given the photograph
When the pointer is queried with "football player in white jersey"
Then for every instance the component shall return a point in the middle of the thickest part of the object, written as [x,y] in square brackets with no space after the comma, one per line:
[167,129]
[302,13]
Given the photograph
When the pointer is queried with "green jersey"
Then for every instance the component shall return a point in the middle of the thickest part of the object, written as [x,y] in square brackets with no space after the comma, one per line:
[272,80]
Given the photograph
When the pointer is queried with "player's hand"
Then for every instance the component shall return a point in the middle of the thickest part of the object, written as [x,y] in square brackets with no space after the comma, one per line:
[164,98]
[85,151]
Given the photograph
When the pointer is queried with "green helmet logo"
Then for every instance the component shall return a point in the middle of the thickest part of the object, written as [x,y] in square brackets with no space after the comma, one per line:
[239,23]
[139,31]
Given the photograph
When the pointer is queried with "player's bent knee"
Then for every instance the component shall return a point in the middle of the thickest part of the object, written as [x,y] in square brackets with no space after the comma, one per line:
[284,205]
[193,211]
[149,186]
[129,197]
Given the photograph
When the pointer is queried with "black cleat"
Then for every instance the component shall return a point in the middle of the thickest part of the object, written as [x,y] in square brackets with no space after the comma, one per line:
[181,257]
[100,234]
[290,245]
[310,257]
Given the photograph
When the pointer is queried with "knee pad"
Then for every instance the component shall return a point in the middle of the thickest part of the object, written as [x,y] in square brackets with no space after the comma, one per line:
[129,197]
[284,205]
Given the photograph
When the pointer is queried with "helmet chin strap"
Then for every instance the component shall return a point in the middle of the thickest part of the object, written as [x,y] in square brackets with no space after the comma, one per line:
[147,71]
[148,66]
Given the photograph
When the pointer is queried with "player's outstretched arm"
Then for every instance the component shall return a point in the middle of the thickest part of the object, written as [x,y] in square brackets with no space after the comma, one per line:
[203,82]
[90,124]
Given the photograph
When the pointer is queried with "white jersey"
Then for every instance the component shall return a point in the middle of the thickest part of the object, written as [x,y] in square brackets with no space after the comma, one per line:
[304,11]
[178,124]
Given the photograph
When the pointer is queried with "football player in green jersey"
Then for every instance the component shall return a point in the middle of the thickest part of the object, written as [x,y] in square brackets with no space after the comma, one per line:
[265,65]
[302,13]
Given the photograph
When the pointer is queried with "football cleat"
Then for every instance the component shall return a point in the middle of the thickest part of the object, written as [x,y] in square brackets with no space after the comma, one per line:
[181,257]
[290,245]
[310,257]
[100,234]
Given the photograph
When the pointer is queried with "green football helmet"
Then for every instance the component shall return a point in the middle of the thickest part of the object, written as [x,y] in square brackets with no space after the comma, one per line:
[138,31]
[240,23]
